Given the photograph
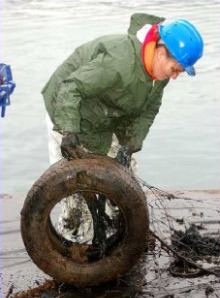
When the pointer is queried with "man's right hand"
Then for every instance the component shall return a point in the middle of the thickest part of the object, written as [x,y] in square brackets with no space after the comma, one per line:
[69,146]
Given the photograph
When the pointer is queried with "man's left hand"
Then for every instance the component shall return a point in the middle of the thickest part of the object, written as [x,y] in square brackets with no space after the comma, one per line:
[124,156]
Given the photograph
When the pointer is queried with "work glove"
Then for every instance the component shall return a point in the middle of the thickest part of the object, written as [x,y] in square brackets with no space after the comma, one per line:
[124,156]
[70,146]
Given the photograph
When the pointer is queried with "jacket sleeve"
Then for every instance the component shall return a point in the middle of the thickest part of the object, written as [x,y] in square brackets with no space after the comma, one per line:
[88,81]
[135,133]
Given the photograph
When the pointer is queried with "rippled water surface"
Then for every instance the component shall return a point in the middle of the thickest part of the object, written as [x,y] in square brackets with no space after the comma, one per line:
[183,146]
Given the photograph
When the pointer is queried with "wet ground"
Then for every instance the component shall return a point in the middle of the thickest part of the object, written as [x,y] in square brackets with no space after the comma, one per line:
[149,278]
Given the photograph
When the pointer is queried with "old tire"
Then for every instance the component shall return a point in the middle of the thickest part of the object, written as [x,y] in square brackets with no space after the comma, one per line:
[100,175]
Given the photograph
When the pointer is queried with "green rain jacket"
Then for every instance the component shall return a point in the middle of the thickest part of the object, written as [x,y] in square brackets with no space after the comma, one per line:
[103,88]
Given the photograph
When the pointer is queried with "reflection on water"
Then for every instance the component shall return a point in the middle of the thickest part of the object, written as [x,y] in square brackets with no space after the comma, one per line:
[182,149]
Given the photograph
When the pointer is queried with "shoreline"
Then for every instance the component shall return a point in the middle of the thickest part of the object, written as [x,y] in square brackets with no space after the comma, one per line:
[19,272]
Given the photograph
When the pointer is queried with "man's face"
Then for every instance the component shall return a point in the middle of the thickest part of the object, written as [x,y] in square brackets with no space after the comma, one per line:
[165,67]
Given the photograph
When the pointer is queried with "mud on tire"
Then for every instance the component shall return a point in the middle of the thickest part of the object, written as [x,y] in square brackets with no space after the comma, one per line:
[95,174]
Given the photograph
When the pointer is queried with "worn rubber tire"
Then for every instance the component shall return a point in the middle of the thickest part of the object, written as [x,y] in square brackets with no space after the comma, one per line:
[97,174]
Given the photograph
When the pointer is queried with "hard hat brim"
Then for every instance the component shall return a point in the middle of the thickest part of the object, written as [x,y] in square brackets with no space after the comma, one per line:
[190,71]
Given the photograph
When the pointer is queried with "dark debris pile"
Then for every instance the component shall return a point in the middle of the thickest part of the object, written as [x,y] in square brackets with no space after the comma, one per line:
[194,244]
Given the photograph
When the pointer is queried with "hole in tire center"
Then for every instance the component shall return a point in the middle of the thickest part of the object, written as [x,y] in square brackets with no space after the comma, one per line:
[89,225]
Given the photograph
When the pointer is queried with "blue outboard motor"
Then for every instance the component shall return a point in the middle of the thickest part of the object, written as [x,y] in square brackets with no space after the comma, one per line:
[6,87]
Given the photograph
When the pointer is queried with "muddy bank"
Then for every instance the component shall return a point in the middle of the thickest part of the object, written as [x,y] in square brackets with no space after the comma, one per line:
[150,278]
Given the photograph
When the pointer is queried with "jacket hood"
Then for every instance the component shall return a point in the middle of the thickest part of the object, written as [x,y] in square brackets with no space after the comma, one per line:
[138,20]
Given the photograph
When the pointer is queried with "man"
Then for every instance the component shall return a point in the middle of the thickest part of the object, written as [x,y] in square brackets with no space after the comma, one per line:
[111,88]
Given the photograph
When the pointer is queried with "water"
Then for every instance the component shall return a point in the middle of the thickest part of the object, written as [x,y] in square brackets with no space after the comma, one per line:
[183,146]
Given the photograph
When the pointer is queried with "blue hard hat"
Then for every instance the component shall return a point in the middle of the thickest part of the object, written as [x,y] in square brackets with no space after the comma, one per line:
[184,43]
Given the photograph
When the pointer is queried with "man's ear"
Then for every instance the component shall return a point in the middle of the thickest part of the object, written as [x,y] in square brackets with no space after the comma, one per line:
[161,52]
